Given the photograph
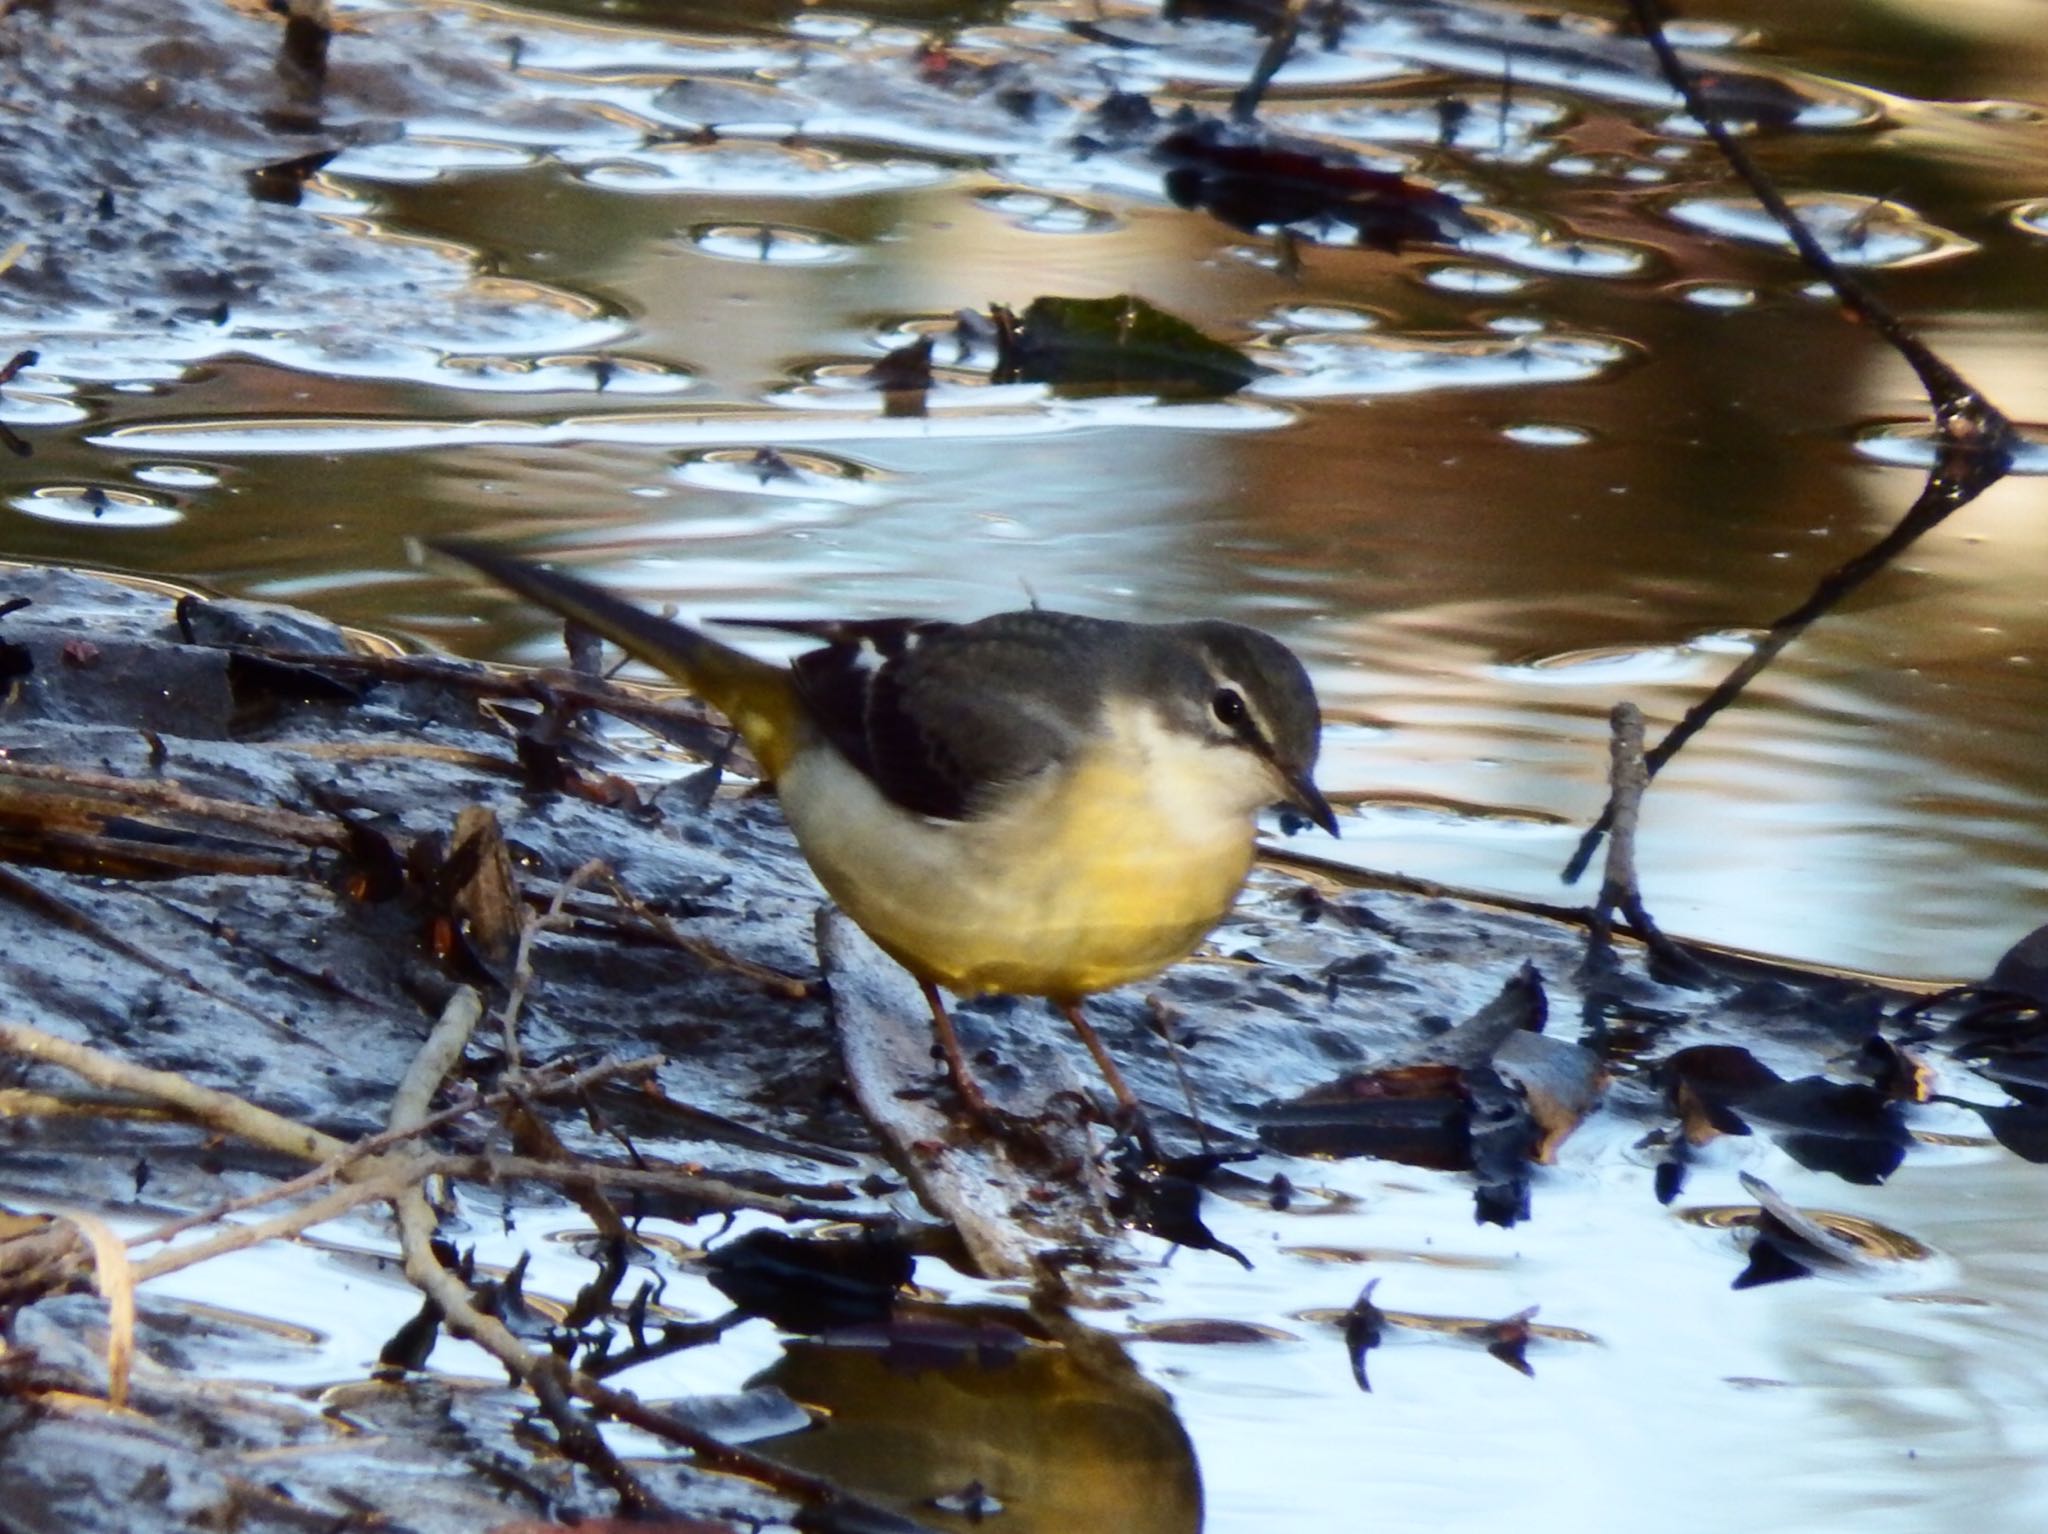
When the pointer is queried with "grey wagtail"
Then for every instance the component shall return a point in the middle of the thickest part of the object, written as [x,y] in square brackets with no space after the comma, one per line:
[1035,803]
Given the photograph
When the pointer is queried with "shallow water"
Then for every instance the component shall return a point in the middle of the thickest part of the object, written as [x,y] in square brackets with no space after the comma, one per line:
[1488,493]
[1882,1397]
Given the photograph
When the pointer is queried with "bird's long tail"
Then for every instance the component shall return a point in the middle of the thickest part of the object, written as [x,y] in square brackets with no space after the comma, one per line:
[758,697]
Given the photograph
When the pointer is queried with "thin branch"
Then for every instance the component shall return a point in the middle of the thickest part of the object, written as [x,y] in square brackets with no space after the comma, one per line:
[539,1087]
[1974,439]
[1628,778]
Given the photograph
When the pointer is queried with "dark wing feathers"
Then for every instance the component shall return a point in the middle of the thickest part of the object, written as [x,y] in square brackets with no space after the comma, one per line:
[938,713]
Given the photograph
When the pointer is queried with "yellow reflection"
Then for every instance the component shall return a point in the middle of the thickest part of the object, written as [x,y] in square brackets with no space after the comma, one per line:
[1062,1441]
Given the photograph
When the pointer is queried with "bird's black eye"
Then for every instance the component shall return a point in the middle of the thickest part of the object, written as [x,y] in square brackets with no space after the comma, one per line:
[1229,708]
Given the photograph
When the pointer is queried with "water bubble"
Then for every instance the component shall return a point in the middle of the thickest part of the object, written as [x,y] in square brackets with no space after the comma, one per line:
[1357,366]
[1324,317]
[1536,434]
[177,476]
[1459,277]
[1718,295]
[810,476]
[1856,231]
[773,244]
[1043,213]
[96,506]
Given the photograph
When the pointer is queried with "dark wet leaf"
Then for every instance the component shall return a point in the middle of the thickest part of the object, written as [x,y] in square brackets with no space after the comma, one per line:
[1165,1200]
[373,869]
[1504,1142]
[1508,1340]
[1123,117]
[306,36]
[406,1351]
[1849,1128]
[1896,1071]
[1790,1243]
[1751,98]
[258,625]
[1668,1181]
[1121,343]
[594,1299]
[542,767]
[2021,1128]
[284,181]
[1769,1263]
[811,1284]
[2021,1072]
[16,661]
[505,1298]
[1207,1332]
[2023,969]
[1252,180]
[907,369]
[1414,1114]
[260,685]
[1365,1326]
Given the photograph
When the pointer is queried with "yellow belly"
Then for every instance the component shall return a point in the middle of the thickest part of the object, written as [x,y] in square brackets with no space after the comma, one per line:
[1104,875]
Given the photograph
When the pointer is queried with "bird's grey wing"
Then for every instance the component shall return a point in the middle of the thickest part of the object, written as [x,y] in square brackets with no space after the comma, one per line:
[939,714]
[962,712]
[854,688]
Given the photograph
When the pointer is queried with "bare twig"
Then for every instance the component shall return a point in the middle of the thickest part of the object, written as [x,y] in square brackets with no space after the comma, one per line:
[459,1313]
[216,1110]
[1244,106]
[124,793]
[397,1176]
[711,1192]
[116,1283]
[537,1087]
[1974,440]
[1628,778]
[522,961]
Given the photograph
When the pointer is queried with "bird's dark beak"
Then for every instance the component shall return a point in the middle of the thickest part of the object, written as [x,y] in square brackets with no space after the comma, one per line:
[1303,794]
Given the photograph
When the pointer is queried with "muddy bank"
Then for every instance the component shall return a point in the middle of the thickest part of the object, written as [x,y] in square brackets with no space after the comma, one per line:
[245,850]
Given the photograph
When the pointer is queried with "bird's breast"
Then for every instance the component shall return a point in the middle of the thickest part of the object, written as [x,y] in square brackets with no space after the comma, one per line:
[1102,871]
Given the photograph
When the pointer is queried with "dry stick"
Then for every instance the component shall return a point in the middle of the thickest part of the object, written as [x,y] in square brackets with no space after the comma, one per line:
[375,1189]
[116,1282]
[312,830]
[540,1087]
[529,1132]
[1975,441]
[417,1222]
[216,1110]
[621,700]
[1244,106]
[1629,777]
[547,1376]
[709,1191]
[522,962]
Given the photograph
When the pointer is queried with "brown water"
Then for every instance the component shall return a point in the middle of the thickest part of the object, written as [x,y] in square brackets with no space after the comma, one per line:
[1488,493]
